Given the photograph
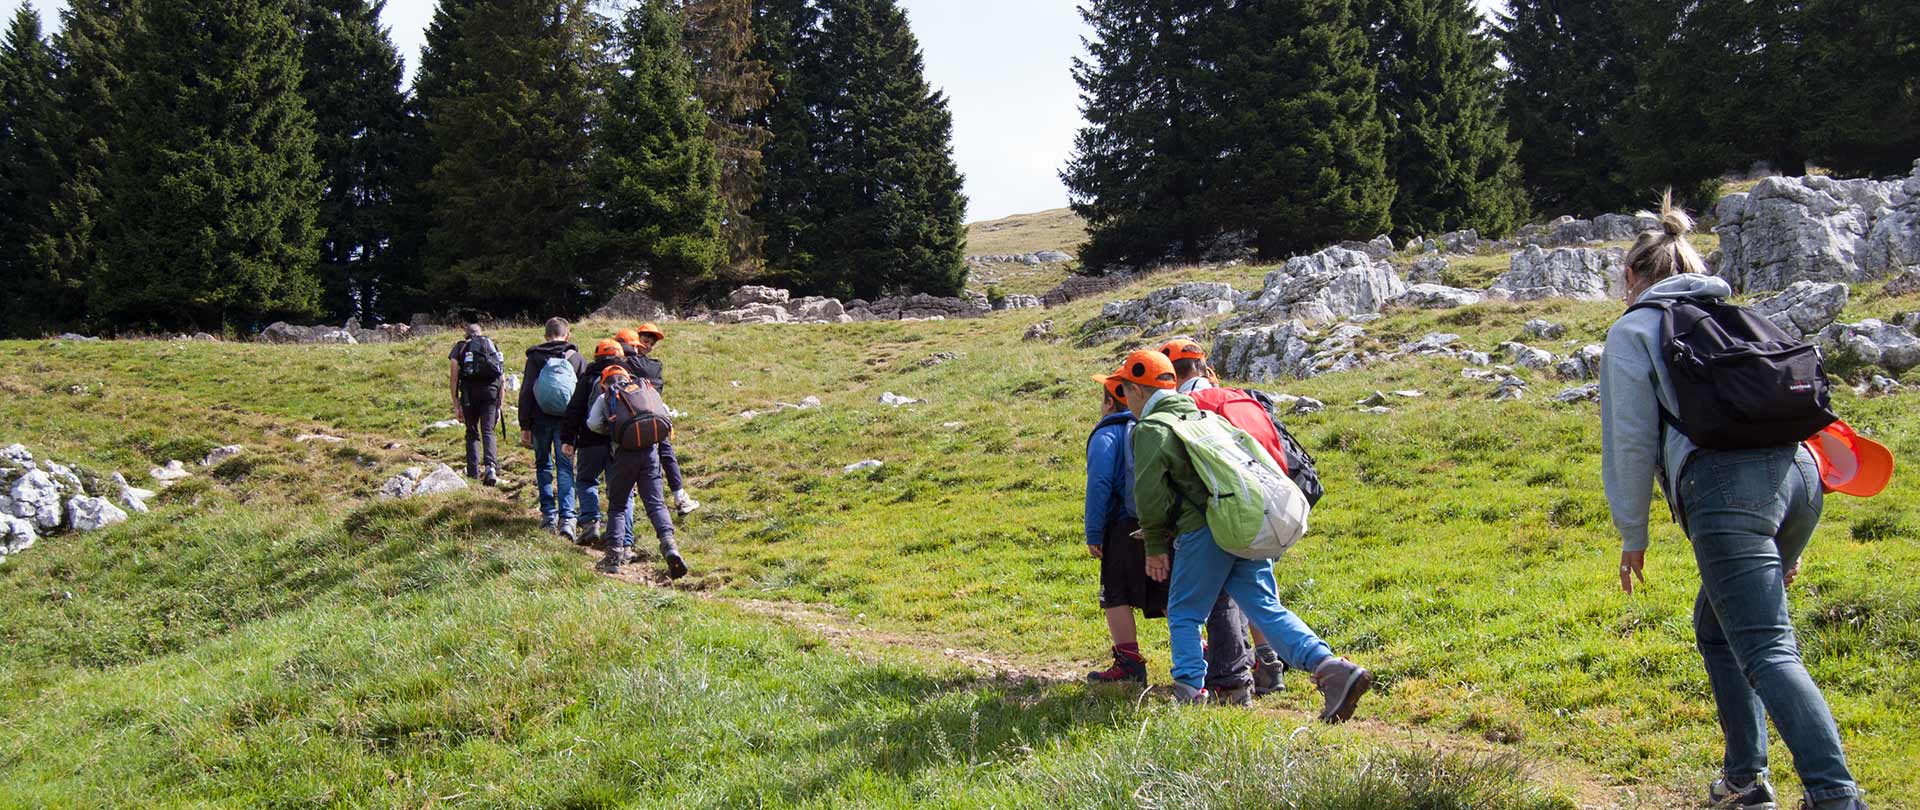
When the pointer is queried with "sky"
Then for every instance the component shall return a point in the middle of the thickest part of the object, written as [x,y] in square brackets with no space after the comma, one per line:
[1004,65]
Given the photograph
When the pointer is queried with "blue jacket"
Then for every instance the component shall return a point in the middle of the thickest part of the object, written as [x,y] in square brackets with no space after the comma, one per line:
[1109,475]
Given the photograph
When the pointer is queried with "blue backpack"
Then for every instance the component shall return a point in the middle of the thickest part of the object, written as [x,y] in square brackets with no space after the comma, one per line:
[554,389]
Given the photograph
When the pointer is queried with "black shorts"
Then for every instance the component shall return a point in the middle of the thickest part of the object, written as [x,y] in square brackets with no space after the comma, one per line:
[1123,572]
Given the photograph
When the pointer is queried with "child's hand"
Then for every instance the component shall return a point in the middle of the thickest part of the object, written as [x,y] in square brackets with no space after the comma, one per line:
[1096,552]
[1158,566]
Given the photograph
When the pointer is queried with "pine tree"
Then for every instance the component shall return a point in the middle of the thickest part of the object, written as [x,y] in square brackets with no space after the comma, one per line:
[882,210]
[507,99]
[654,171]
[37,300]
[1143,168]
[1439,100]
[1861,65]
[735,87]
[1570,69]
[1304,159]
[92,47]
[212,186]
[352,85]
[786,211]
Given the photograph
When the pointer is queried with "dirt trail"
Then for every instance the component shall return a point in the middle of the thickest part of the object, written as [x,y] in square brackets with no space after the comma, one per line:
[1590,791]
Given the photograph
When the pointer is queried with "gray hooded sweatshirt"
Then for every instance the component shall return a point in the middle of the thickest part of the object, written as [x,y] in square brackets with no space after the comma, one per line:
[1633,388]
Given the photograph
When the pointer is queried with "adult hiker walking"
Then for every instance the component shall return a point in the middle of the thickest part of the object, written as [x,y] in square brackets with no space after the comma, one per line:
[640,360]
[1174,523]
[632,414]
[476,380]
[1747,495]
[552,371]
[588,450]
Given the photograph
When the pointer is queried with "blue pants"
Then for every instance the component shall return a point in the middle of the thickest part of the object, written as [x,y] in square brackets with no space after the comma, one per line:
[556,502]
[631,469]
[1749,515]
[670,467]
[1200,572]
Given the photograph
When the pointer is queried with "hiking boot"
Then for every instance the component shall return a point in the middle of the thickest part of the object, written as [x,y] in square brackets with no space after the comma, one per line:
[1751,794]
[1126,667]
[569,530]
[684,502]
[1189,696]
[1236,696]
[1846,803]
[587,534]
[615,558]
[676,567]
[491,478]
[1341,683]
[1267,669]
[549,525]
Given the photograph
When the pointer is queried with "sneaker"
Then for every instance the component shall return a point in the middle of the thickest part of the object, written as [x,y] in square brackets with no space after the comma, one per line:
[1754,794]
[569,530]
[1341,683]
[1126,667]
[684,502]
[549,525]
[616,557]
[491,478]
[587,534]
[1267,669]
[1189,696]
[1237,696]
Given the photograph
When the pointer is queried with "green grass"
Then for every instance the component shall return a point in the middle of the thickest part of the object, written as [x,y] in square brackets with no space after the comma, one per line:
[270,638]
[1057,229]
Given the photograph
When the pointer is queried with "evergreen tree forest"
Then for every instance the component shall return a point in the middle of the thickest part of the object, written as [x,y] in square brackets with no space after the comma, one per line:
[1283,125]
[174,165]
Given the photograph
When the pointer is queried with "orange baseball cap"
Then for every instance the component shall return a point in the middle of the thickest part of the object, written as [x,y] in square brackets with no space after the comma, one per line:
[1851,464]
[608,348]
[650,328]
[1112,384]
[1183,349]
[1147,367]
[615,370]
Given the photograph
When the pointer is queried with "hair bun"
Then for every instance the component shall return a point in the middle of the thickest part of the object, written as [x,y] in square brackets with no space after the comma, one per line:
[1672,219]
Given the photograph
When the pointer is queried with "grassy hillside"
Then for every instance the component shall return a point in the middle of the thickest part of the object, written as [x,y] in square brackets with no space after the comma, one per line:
[271,637]
[1058,229]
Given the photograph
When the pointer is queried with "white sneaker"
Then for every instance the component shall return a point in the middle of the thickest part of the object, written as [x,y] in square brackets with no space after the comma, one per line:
[684,502]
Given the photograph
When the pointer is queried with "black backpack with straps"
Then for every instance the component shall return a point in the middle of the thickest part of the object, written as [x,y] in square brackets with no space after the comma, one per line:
[1739,382]
[1298,461]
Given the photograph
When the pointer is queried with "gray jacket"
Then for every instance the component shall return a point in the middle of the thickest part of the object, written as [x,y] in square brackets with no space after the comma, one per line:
[1634,386]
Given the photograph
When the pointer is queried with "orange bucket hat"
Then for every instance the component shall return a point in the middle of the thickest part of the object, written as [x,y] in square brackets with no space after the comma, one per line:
[1183,349]
[1147,367]
[1851,464]
[608,348]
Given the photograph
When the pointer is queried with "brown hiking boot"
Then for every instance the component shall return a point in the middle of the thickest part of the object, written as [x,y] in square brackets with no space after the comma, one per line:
[1341,683]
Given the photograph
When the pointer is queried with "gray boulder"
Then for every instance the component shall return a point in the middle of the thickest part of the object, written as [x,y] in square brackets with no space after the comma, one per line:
[818,310]
[1584,393]
[173,471]
[1430,344]
[1263,353]
[339,337]
[1463,243]
[1327,286]
[35,497]
[1621,227]
[1435,296]
[1570,231]
[755,294]
[1815,228]
[1019,301]
[1052,256]
[283,332]
[1583,274]
[753,313]
[632,305]
[86,514]
[1379,247]
[1427,270]
[1040,331]
[1873,343]
[16,535]
[131,498]
[1581,365]
[1526,356]
[1907,282]
[221,454]
[1805,308]
[415,482]
[1540,329]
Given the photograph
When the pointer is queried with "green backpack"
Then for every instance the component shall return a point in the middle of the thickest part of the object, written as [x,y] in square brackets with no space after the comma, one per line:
[1255,511]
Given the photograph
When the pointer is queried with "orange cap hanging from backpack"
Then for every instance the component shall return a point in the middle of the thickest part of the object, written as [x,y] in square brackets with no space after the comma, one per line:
[1851,464]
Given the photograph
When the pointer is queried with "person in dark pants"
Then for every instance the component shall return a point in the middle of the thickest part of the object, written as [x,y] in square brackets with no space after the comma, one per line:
[476,399]
[639,344]
[589,451]
[628,470]
[540,430]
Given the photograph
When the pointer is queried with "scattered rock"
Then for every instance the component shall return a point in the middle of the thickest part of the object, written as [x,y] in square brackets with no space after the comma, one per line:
[752,314]
[1476,358]
[221,454]
[167,475]
[938,358]
[86,514]
[1432,343]
[16,535]
[76,337]
[1327,286]
[1622,228]
[1880,386]
[1427,270]
[317,437]
[1873,343]
[1583,274]
[1308,405]
[1538,329]
[894,400]
[1377,409]
[132,498]
[35,497]
[1376,398]
[755,294]
[444,424]
[1907,282]
[1526,356]
[1583,364]
[1584,393]
[1172,307]
[1509,389]
[1805,308]
[1435,296]
[1017,301]
[415,482]
[863,466]
[1040,331]
[1379,247]
[1465,242]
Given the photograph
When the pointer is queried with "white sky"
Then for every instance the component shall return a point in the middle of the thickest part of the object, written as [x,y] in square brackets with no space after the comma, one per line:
[1003,64]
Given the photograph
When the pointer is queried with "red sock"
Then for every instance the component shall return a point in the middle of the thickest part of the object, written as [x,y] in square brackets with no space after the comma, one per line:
[1129,650]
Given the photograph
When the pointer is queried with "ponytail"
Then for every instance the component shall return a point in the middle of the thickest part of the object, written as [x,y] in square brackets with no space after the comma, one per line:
[1664,252]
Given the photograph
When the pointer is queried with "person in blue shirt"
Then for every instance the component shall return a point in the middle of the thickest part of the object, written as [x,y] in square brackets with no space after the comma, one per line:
[1111,520]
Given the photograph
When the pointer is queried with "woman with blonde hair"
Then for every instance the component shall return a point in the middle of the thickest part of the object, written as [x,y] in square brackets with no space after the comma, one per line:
[1748,514]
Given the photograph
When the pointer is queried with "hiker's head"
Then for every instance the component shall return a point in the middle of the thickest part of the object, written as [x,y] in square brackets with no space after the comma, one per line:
[557,329]
[1113,394]
[473,330]
[1663,252]
[629,339]
[648,335]
[608,349]
[609,373]
[1189,360]
[1143,373]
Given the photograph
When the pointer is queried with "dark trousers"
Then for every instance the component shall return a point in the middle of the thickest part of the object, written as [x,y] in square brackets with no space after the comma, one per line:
[480,405]
[588,464]
[1229,656]
[629,470]
[670,466]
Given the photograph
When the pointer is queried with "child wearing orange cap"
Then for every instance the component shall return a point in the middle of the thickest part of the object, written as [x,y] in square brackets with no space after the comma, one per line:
[1109,521]
[588,450]
[640,360]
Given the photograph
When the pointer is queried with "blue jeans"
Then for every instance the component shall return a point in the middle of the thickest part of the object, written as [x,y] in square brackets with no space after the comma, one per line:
[1749,514]
[556,503]
[670,467]
[1200,572]
[632,470]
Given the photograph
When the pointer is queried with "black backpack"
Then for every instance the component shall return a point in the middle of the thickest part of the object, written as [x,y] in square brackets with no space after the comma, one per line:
[480,362]
[1739,382]
[1299,462]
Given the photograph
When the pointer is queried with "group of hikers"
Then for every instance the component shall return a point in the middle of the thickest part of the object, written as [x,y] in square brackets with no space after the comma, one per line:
[1193,489]
[585,420]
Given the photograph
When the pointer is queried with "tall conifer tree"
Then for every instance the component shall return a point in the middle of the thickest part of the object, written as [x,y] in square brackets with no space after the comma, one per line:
[654,171]
[38,298]
[1447,147]
[507,98]
[785,33]
[1862,69]
[1570,69]
[734,86]
[212,186]
[352,85]
[93,48]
